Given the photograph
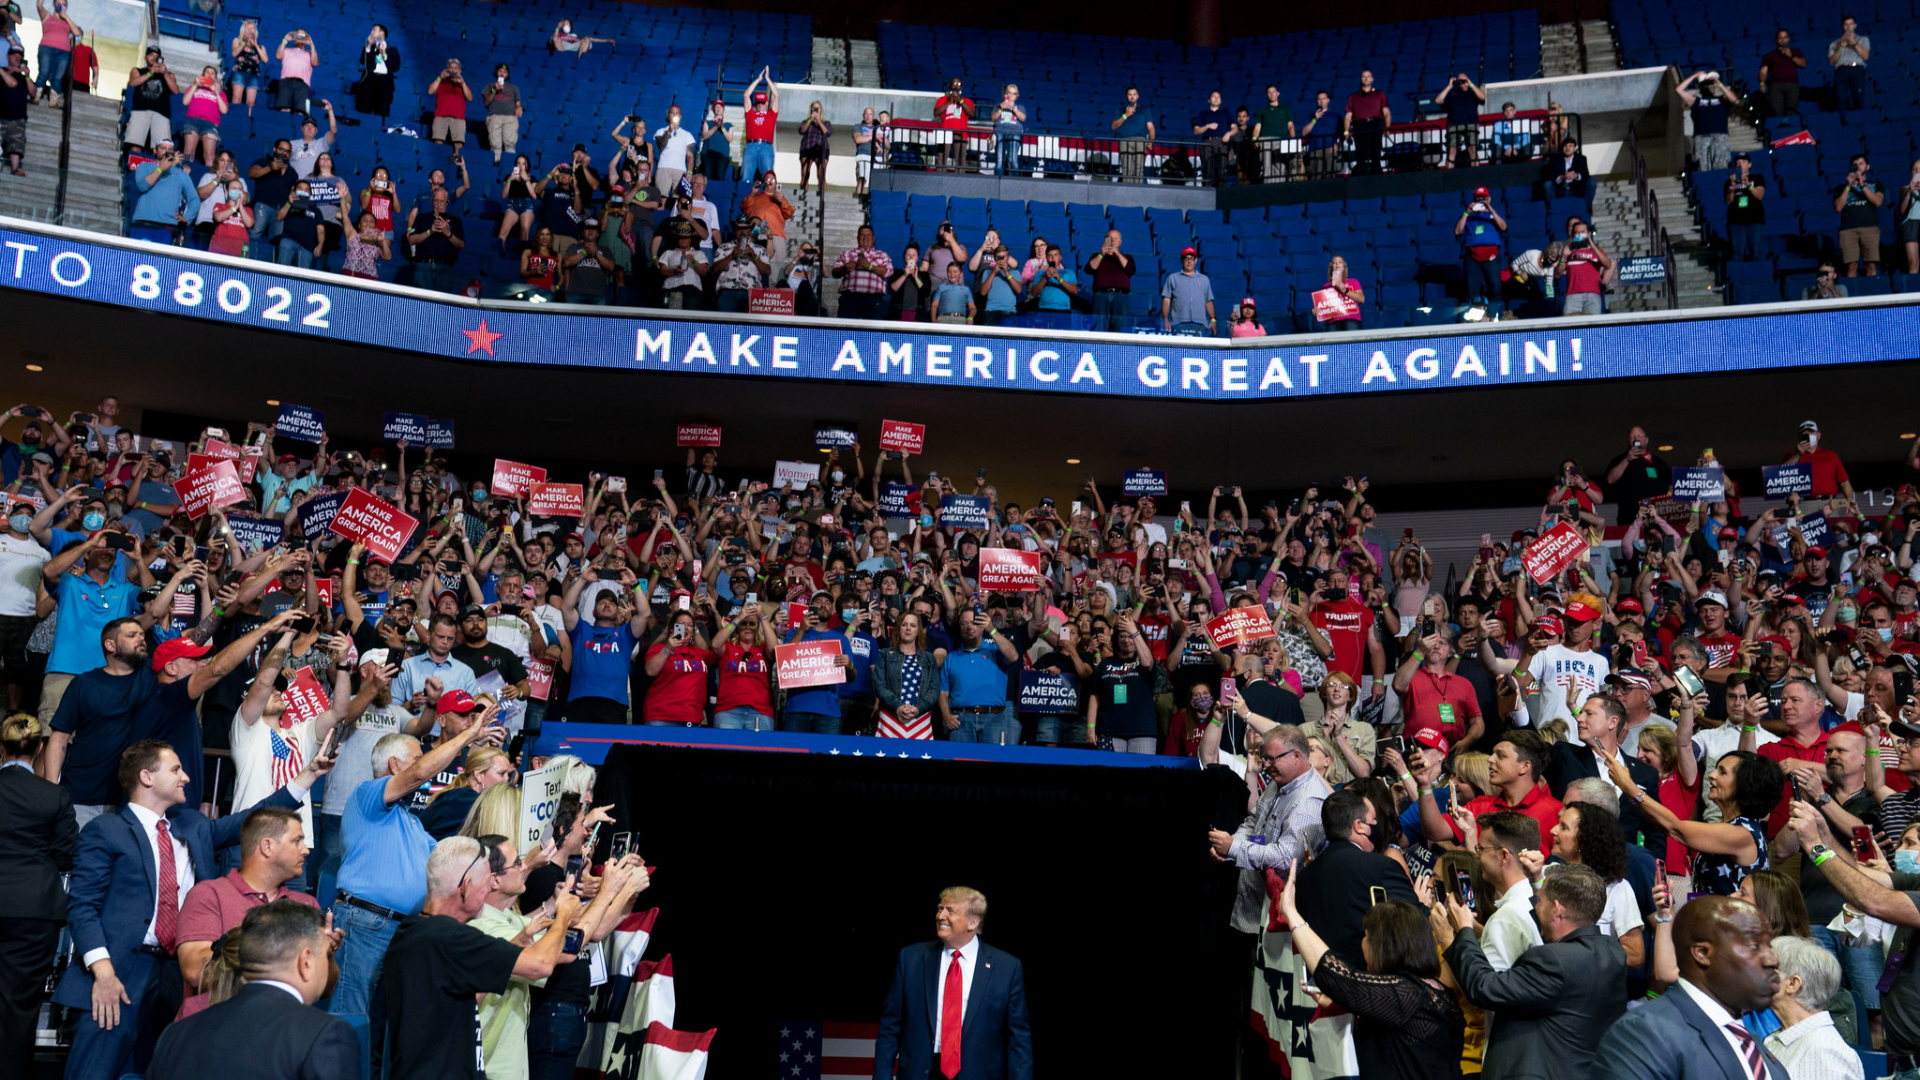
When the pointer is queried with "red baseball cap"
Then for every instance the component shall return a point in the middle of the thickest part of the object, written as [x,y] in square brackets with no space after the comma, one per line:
[1851,727]
[1581,611]
[1548,624]
[1432,740]
[1816,552]
[759,95]
[1481,193]
[1186,251]
[456,701]
[1628,604]
[175,648]
[283,458]
[1775,639]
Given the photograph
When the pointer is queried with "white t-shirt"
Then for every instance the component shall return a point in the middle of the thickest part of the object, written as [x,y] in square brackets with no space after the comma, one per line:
[20,563]
[705,211]
[673,152]
[1622,915]
[1710,746]
[1556,667]
[679,267]
[254,776]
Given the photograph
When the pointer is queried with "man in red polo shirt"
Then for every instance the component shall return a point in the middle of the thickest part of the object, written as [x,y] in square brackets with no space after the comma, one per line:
[1366,121]
[1517,768]
[1348,625]
[273,851]
[1802,752]
[1433,698]
[1829,473]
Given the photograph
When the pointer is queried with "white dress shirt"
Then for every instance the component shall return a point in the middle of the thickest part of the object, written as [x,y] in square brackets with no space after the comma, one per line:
[1719,1017]
[183,874]
[288,987]
[1511,930]
[969,956]
[1813,1050]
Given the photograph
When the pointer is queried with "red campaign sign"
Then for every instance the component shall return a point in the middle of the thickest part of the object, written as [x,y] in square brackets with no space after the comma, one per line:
[512,478]
[796,615]
[769,301]
[209,488]
[1558,548]
[217,448]
[249,464]
[1330,304]
[902,436]
[306,698]
[1009,570]
[323,588]
[555,500]
[809,663]
[1237,626]
[375,522]
[694,433]
[196,462]
[539,678]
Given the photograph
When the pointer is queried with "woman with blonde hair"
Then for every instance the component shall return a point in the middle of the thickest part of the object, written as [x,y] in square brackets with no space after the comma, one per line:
[1470,775]
[495,813]
[484,767]
[41,835]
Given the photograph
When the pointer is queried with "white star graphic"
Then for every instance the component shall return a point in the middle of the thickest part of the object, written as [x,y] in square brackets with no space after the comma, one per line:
[809,1035]
[859,753]
[796,1070]
[797,1046]
[808,1059]
[926,757]
[784,1033]
[783,1055]
[903,755]
[836,753]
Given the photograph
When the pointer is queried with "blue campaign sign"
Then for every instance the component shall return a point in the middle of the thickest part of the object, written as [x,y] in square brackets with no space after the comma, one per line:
[1813,529]
[1699,484]
[834,436]
[1049,695]
[406,426]
[300,422]
[440,434]
[1785,480]
[1642,269]
[965,512]
[1144,482]
[893,499]
[317,513]
[256,534]
[177,281]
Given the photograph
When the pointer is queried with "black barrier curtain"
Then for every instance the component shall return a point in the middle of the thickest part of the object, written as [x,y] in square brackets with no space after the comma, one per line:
[788,883]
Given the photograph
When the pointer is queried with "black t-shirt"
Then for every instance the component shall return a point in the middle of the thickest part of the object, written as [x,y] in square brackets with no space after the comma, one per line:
[1646,478]
[569,984]
[1196,664]
[152,95]
[435,248]
[170,717]
[1125,689]
[491,657]
[98,711]
[224,699]
[1901,1004]
[302,224]
[1747,208]
[272,188]
[444,816]
[13,99]
[1462,108]
[557,212]
[434,968]
[1269,699]
[1709,115]
[1823,900]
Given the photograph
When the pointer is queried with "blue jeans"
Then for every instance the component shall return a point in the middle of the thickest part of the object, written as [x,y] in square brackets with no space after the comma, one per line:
[555,1033]
[985,727]
[1860,968]
[1061,731]
[265,232]
[361,990]
[289,253]
[1749,241]
[730,300]
[55,65]
[1110,308]
[324,864]
[107,1055]
[815,723]
[1007,151]
[756,161]
[436,277]
[1849,85]
[743,718]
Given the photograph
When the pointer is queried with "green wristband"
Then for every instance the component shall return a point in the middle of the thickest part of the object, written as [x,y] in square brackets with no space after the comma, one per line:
[1821,859]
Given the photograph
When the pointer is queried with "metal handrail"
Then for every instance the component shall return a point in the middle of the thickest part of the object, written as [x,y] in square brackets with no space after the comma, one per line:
[66,144]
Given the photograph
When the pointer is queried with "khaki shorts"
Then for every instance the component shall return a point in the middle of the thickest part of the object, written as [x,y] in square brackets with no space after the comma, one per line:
[1860,245]
[503,133]
[147,128]
[451,129]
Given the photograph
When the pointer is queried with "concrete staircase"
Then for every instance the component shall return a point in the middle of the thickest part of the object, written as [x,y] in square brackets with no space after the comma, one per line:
[843,215]
[1559,51]
[1622,234]
[93,175]
[866,64]
[829,62]
[1601,52]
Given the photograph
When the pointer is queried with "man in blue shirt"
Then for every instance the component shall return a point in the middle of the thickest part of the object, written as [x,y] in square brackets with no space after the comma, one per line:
[167,196]
[411,688]
[1212,125]
[857,693]
[1186,297]
[151,501]
[383,876]
[999,290]
[602,649]
[92,591]
[816,709]
[1055,283]
[973,682]
[1135,129]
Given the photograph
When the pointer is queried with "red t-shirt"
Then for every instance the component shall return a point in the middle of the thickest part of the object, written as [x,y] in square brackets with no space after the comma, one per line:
[1367,104]
[1539,804]
[1721,648]
[1443,703]
[1680,799]
[1583,271]
[952,111]
[1788,750]
[1346,624]
[744,680]
[1828,472]
[760,125]
[678,695]
[449,101]
[1155,629]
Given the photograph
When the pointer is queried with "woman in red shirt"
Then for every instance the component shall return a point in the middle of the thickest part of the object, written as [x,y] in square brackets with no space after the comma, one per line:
[1661,749]
[677,665]
[745,700]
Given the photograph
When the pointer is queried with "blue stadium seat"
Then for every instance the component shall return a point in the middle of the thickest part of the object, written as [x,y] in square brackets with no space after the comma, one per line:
[1753,292]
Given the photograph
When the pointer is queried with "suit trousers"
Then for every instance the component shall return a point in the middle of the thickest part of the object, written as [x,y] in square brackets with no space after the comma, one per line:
[98,1054]
[27,948]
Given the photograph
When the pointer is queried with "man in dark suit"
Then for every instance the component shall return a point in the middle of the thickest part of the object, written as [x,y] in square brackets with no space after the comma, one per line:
[1337,887]
[1551,1007]
[1727,969]
[1602,723]
[131,873]
[36,847]
[283,957]
[1566,173]
[958,1006]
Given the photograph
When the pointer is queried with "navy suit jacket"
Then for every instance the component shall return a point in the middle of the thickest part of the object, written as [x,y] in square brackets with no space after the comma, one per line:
[115,878]
[1671,1038]
[996,1041]
[283,1040]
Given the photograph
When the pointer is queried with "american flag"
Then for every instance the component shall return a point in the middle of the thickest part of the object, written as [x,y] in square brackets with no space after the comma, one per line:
[287,758]
[892,727]
[816,1051]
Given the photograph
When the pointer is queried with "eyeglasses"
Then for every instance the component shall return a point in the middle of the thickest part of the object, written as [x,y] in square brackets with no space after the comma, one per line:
[1275,759]
[485,851]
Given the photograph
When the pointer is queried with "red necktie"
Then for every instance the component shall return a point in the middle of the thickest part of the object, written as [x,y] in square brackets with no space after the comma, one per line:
[1756,1065]
[166,918]
[950,1021]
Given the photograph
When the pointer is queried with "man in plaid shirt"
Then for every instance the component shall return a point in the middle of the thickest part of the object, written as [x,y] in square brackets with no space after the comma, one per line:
[864,270]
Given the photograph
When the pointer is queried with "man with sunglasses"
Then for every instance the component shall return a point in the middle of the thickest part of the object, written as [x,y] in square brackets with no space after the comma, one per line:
[1283,827]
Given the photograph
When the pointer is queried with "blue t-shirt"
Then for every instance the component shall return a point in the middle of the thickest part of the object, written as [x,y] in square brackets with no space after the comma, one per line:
[1055,298]
[818,699]
[85,609]
[1213,116]
[1000,295]
[386,850]
[1410,817]
[863,648]
[168,715]
[1135,126]
[99,713]
[975,677]
[601,657]
[141,522]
